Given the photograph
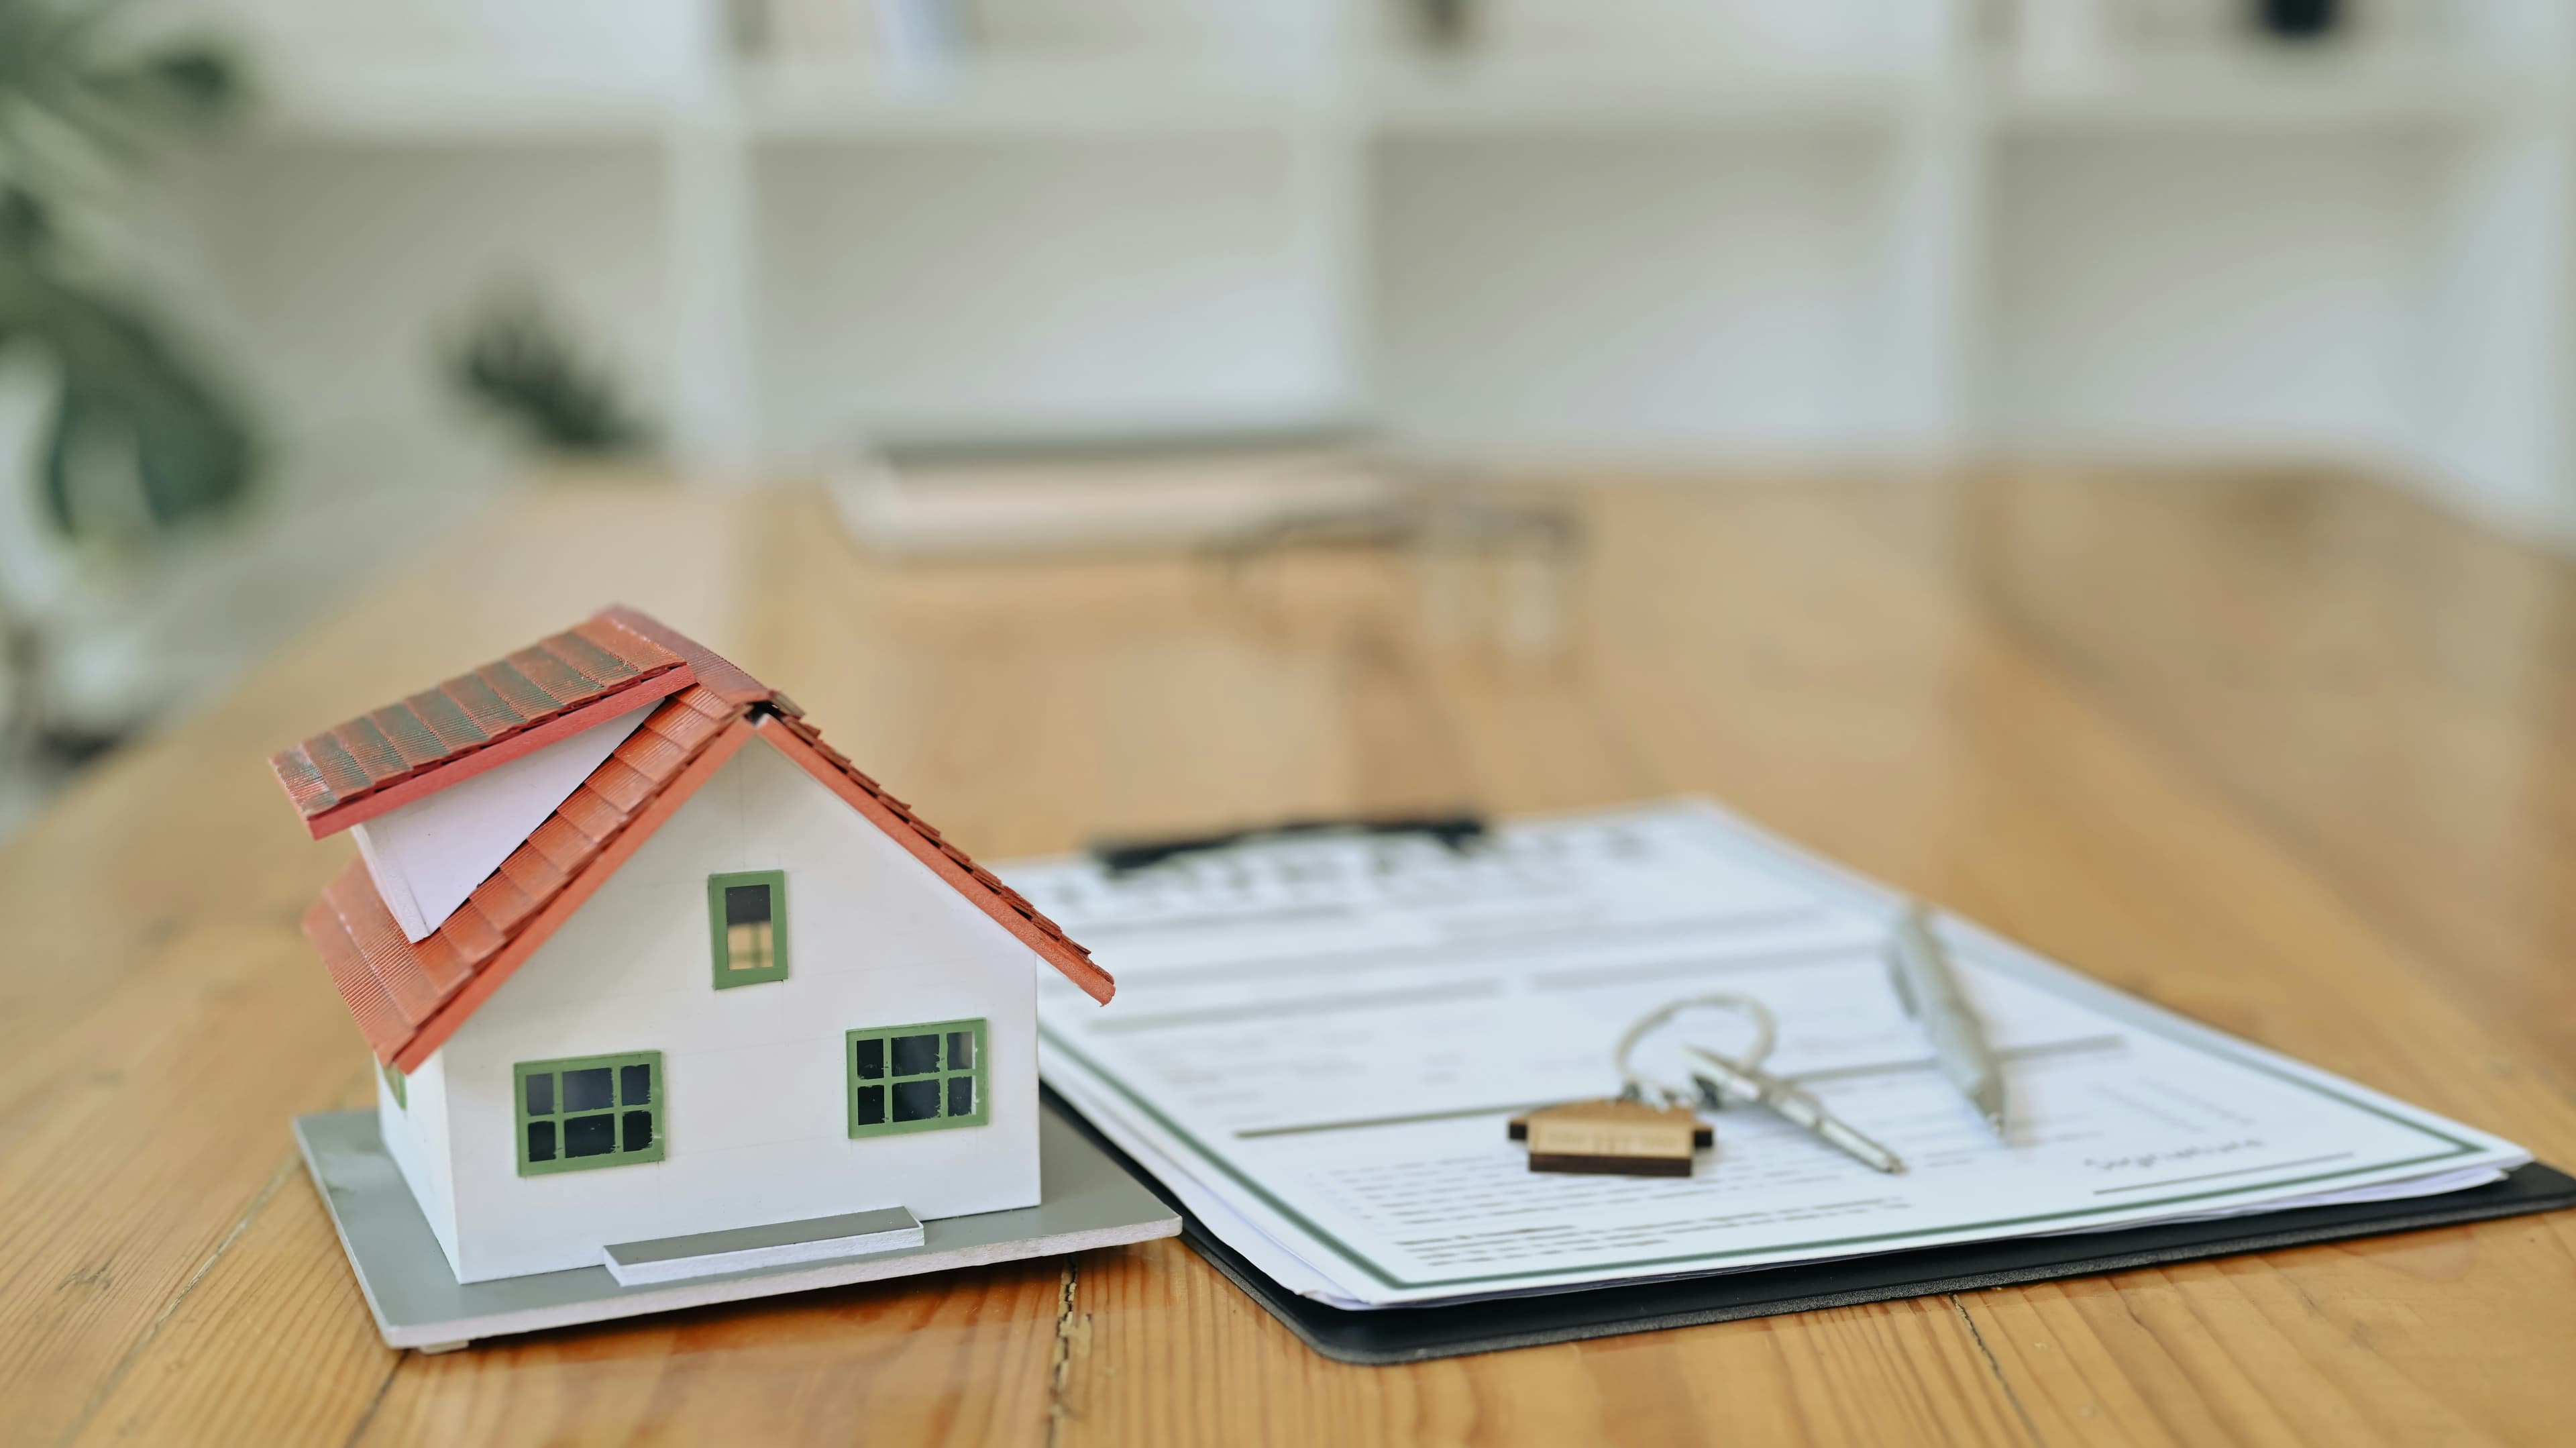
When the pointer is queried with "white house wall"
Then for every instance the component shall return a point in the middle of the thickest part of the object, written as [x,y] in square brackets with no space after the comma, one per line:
[415,1134]
[753,1116]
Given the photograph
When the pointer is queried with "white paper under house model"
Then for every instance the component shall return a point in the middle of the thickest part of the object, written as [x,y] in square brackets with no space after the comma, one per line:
[645,960]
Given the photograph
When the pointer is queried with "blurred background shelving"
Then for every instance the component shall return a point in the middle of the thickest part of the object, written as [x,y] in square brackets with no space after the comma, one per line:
[1724,233]
[1823,231]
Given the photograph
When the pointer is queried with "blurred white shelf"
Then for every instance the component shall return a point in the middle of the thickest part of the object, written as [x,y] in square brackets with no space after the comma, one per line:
[456,103]
[1053,97]
[1497,93]
[1023,96]
[1729,271]
[2258,91]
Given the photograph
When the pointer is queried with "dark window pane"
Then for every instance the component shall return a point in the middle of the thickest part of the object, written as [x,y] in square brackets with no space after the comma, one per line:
[590,1135]
[961,1095]
[872,1106]
[635,1084]
[541,1141]
[639,1130]
[541,1093]
[871,1059]
[587,1090]
[916,1100]
[915,1054]
[961,1050]
[747,905]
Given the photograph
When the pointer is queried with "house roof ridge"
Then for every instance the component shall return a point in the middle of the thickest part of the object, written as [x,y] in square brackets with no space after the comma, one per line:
[389,756]
[716,672]
[408,997]
[419,979]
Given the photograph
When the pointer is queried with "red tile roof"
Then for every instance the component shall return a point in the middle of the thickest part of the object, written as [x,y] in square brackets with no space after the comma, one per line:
[409,998]
[552,689]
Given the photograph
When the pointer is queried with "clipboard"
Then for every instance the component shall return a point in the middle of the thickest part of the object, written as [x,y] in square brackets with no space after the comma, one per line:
[1418,1334]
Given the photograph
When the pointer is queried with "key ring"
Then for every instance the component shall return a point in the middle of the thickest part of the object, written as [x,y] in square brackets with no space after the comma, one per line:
[1633,1086]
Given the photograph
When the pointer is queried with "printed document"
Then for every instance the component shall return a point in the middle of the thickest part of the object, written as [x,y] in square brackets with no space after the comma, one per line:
[1318,1042]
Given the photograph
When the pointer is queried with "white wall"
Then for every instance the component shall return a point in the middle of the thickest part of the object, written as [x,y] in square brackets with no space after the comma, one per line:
[415,1135]
[2258,297]
[963,286]
[344,275]
[754,1120]
[1518,313]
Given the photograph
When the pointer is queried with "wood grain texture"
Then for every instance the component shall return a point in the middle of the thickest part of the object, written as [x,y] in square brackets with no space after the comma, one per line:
[1897,1372]
[969,1362]
[2288,754]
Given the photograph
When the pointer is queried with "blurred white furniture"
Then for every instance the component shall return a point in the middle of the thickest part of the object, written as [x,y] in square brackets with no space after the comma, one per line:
[1714,230]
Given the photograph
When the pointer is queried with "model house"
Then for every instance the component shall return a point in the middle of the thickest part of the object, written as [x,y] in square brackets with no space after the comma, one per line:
[643,958]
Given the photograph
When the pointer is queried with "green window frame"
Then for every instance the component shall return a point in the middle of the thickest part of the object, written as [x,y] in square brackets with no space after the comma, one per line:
[925,1077]
[747,926]
[396,1083]
[582,1112]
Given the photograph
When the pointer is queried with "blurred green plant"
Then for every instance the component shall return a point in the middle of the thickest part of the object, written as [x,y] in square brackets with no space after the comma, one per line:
[518,363]
[84,100]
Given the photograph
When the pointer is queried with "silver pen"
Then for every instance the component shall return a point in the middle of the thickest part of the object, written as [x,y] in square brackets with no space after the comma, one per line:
[1928,983]
[1793,1103]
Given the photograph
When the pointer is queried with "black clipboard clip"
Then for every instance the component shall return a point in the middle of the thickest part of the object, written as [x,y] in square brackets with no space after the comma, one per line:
[1122,857]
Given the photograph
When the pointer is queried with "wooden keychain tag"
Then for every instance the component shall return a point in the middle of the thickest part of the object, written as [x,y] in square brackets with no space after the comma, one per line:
[1612,1138]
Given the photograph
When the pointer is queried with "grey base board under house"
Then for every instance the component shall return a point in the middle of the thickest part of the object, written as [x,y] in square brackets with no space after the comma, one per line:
[1417,1334]
[1091,1201]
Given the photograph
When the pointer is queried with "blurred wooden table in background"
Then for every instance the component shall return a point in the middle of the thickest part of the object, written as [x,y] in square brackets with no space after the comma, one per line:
[2290,755]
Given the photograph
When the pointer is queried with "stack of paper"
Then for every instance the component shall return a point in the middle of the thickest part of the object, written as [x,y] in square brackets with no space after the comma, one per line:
[1318,1043]
[1118,503]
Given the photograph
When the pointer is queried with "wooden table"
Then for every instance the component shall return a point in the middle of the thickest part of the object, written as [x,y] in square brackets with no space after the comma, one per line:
[2287,754]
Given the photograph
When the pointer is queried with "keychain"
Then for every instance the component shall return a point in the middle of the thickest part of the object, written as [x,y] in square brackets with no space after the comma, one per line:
[1627,1135]
[1649,1128]
[1622,1136]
